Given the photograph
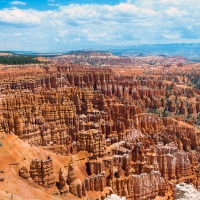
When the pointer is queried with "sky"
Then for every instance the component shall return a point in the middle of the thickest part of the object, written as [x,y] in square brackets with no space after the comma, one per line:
[61,25]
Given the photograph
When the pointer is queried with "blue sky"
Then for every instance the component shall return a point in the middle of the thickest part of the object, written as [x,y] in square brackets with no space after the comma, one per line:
[58,25]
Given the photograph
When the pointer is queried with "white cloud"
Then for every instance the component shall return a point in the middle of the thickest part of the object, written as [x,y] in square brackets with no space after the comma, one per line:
[133,22]
[174,12]
[175,2]
[18,3]
[172,36]
[19,17]
[77,40]
[51,2]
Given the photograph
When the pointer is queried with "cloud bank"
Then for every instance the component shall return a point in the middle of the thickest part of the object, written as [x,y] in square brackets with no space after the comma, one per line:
[18,3]
[79,26]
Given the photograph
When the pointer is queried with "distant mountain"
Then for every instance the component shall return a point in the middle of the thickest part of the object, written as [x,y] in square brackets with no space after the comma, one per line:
[33,53]
[189,51]
[24,52]
[89,53]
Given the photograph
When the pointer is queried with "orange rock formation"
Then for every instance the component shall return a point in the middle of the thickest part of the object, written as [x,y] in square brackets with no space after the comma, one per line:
[98,124]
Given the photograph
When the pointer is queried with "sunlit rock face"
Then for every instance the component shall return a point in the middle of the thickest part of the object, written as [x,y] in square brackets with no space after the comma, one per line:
[41,171]
[185,191]
[115,197]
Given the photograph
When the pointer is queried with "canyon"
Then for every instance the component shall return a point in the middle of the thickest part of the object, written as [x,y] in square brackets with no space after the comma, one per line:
[76,131]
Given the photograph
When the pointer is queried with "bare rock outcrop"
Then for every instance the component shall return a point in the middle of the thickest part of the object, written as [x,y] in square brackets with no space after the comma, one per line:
[41,171]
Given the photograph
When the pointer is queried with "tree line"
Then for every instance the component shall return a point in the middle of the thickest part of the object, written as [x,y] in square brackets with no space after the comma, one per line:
[18,60]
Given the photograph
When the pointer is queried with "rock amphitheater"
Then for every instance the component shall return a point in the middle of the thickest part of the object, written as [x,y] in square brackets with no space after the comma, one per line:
[74,132]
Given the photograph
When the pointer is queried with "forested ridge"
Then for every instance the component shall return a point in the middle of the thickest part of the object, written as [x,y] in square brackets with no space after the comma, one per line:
[18,59]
